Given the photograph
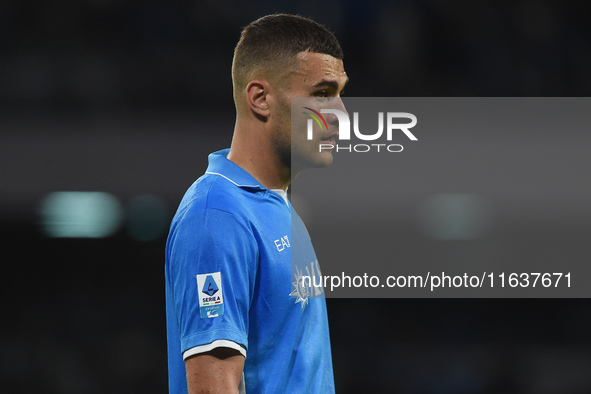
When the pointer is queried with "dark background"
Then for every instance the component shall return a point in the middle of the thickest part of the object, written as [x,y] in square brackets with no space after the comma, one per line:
[128,97]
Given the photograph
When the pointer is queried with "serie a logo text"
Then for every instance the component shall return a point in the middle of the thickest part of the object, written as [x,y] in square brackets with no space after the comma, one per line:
[392,126]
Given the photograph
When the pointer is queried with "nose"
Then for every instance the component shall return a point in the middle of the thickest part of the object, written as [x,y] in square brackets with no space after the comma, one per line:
[331,118]
[335,103]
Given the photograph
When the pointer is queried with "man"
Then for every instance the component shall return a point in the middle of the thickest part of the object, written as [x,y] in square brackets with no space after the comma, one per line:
[237,319]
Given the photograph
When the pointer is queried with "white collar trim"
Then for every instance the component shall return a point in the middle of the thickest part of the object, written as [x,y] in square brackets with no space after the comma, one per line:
[225,177]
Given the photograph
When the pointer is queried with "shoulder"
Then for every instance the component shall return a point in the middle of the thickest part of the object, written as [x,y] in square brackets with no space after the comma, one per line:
[209,230]
[214,193]
[211,208]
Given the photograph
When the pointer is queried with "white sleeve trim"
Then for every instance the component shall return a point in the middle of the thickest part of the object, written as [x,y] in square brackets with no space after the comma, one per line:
[210,346]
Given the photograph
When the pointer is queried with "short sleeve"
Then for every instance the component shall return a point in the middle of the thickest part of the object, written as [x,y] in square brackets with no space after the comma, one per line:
[212,263]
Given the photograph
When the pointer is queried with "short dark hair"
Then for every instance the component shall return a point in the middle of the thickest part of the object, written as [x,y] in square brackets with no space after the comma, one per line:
[275,40]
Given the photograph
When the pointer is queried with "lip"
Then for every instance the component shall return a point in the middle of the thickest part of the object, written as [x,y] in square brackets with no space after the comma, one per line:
[331,137]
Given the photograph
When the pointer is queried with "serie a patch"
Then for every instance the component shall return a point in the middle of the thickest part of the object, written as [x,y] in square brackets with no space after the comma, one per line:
[211,295]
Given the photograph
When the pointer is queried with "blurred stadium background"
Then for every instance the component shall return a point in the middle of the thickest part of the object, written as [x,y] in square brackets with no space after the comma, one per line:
[109,108]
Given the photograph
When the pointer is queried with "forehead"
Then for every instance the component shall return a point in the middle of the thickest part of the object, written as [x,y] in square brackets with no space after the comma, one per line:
[310,68]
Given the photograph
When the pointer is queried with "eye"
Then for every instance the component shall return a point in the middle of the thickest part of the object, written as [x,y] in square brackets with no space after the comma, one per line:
[321,93]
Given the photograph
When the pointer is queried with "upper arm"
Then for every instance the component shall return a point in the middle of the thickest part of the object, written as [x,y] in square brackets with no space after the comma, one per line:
[217,244]
[216,371]
[211,243]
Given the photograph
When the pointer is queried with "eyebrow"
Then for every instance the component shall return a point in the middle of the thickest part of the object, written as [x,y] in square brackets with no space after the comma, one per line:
[330,83]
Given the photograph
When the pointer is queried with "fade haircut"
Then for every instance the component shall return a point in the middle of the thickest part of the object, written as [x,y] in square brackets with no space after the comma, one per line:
[272,43]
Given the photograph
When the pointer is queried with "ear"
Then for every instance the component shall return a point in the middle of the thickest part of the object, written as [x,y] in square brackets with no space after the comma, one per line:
[256,97]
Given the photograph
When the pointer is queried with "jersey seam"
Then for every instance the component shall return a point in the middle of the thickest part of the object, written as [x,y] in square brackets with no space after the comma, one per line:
[231,330]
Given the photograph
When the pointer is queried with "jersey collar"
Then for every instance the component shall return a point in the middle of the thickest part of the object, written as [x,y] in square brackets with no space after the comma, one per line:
[221,166]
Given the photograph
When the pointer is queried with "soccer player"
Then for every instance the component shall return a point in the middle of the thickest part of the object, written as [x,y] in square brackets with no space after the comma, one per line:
[237,318]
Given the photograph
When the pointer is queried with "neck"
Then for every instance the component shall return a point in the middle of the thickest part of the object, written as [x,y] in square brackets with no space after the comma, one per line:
[253,150]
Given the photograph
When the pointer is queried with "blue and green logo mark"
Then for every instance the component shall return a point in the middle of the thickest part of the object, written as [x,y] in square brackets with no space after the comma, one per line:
[210,287]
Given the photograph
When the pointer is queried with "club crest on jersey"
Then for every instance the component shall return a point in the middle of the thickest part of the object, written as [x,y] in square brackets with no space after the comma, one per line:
[305,283]
[211,298]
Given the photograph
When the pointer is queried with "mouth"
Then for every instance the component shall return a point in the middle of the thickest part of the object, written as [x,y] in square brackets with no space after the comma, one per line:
[330,139]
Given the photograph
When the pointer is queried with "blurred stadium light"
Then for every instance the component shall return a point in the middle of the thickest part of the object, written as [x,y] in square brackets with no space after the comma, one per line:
[455,216]
[74,214]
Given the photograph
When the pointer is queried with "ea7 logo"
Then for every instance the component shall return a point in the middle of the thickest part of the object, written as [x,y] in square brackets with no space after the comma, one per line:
[345,124]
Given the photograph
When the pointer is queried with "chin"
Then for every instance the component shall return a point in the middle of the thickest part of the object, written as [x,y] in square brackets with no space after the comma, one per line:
[326,161]
[321,161]
[314,162]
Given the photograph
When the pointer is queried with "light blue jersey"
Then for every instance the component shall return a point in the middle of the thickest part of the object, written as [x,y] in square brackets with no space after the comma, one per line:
[229,283]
